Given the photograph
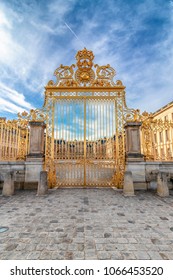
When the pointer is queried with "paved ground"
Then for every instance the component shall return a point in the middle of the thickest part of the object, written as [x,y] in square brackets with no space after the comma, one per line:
[86,224]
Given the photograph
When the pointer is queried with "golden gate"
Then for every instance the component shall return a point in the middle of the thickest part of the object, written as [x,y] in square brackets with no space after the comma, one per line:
[86,112]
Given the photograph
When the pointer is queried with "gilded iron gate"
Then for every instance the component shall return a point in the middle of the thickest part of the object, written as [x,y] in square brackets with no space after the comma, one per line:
[86,112]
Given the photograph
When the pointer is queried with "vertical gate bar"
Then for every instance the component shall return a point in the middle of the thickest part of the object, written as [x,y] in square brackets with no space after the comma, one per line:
[80,136]
[62,121]
[68,165]
[114,128]
[78,127]
[117,140]
[61,128]
[97,130]
[55,135]
[84,141]
[9,144]
[94,126]
[53,116]
[3,140]
[6,150]
[1,144]
[103,128]
[107,128]
[15,142]
[70,128]
[70,168]
[46,142]
[65,121]
[18,142]
[87,132]
[100,130]
[75,129]
[109,131]
[57,114]
[26,143]
[68,125]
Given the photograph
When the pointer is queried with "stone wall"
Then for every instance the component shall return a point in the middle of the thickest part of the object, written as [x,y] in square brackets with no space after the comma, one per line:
[20,171]
[145,173]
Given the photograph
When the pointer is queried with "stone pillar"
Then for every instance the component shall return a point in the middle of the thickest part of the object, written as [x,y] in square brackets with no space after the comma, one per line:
[43,185]
[134,159]
[35,158]
[133,143]
[162,184]
[8,188]
[36,143]
[128,189]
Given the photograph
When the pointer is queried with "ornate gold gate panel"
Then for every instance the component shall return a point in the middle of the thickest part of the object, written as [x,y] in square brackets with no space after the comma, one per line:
[14,138]
[85,125]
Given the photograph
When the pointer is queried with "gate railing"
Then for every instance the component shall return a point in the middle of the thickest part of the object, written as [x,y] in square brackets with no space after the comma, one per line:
[157,139]
[13,140]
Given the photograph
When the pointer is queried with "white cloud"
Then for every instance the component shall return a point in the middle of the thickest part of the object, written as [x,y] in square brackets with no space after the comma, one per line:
[4,21]
[12,101]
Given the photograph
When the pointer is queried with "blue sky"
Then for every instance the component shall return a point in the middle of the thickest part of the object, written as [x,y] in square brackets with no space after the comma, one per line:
[134,36]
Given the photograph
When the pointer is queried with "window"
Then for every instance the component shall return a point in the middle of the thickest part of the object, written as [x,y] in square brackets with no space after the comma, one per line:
[155,138]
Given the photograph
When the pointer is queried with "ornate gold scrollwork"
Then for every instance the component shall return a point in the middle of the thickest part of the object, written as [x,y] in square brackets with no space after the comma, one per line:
[84,75]
[104,76]
[35,115]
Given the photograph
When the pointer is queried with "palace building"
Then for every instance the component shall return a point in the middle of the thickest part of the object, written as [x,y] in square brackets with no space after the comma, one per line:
[163,138]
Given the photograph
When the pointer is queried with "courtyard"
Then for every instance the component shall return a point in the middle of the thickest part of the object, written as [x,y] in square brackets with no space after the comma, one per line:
[86,223]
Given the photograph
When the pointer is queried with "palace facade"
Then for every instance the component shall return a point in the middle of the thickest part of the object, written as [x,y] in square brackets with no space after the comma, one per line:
[163,138]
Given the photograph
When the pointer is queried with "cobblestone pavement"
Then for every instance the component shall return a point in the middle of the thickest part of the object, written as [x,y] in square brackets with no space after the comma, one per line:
[86,224]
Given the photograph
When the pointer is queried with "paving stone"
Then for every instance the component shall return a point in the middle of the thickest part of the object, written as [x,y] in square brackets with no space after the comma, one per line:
[155,255]
[132,240]
[164,256]
[36,256]
[103,255]
[128,255]
[142,255]
[44,255]
[11,247]
[122,240]
[116,256]
[69,255]
[107,235]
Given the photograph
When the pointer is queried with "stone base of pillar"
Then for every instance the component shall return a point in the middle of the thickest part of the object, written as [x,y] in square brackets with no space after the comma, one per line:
[134,157]
[42,185]
[33,167]
[8,187]
[162,185]
[128,189]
